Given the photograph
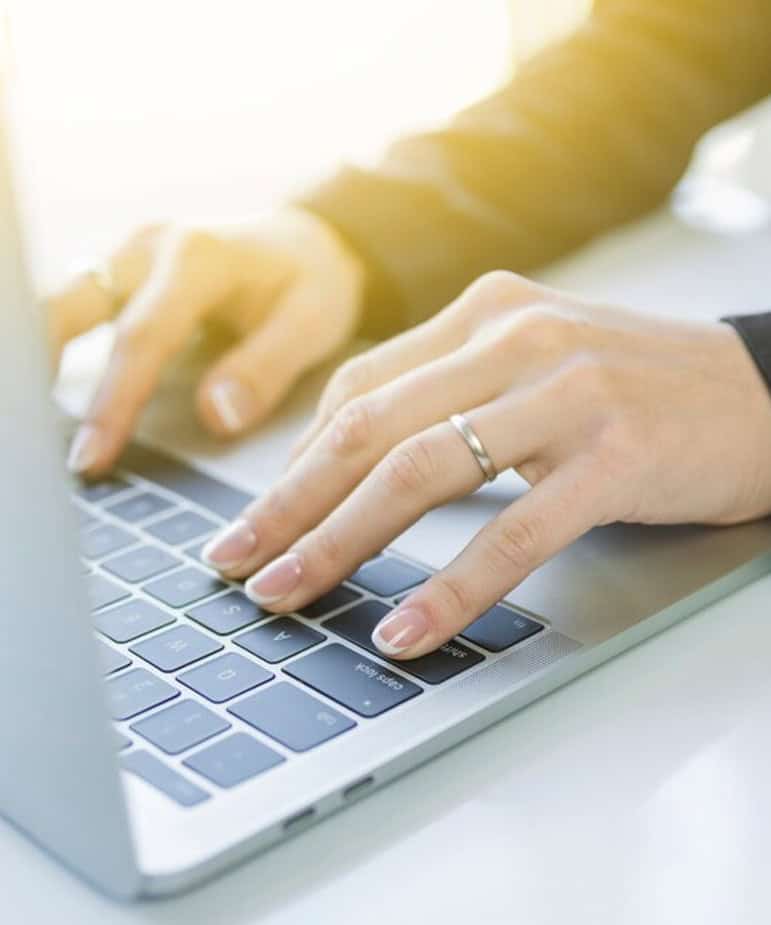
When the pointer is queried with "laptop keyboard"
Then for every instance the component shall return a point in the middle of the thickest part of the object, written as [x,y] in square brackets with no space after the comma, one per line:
[207,690]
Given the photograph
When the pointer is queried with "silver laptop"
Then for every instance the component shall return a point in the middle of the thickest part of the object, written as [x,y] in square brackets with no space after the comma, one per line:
[156,727]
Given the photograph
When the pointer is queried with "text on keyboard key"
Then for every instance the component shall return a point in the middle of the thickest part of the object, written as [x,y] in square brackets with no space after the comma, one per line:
[446,662]
[102,591]
[176,648]
[139,507]
[234,760]
[184,587]
[180,727]
[387,576]
[499,628]
[227,613]
[141,563]
[225,677]
[131,620]
[352,680]
[279,639]
[153,771]
[102,540]
[181,528]
[135,691]
[291,716]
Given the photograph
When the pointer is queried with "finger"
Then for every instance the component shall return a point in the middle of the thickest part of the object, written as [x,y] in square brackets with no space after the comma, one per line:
[250,380]
[186,280]
[558,510]
[352,444]
[81,305]
[421,473]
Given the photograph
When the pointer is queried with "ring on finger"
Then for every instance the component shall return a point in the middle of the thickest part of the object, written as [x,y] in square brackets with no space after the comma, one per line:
[472,441]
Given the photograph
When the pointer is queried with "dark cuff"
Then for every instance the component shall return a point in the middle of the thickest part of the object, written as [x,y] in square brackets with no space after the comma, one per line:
[755,331]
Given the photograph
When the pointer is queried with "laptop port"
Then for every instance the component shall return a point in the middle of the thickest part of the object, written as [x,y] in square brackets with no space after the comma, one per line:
[357,789]
[294,822]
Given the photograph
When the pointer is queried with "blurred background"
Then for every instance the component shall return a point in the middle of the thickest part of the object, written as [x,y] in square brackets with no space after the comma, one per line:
[130,112]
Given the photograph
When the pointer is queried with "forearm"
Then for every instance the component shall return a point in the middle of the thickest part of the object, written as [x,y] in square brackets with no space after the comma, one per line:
[591,133]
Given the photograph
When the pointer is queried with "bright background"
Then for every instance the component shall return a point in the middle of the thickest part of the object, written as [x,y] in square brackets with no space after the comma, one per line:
[138,110]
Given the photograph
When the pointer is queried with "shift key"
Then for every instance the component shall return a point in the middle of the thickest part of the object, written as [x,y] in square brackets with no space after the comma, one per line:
[361,685]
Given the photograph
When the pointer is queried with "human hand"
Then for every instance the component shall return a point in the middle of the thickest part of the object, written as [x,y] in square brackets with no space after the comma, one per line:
[610,415]
[287,290]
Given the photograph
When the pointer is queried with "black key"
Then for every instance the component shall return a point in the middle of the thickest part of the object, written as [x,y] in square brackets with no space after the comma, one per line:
[388,576]
[184,587]
[233,760]
[101,491]
[166,779]
[180,727]
[141,563]
[225,677]
[181,528]
[278,639]
[228,613]
[332,600]
[121,742]
[136,691]
[447,661]
[291,716]
[102,540]
[175,648]
[499,628]
[102,591]
[139,507]
[352,680]
[131,620]
[170,473]
[110,659]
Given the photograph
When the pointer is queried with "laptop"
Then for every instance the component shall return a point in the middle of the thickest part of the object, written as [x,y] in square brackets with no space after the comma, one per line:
[157,727]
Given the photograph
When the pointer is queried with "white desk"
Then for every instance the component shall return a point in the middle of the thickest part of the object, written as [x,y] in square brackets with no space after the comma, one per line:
[638,794]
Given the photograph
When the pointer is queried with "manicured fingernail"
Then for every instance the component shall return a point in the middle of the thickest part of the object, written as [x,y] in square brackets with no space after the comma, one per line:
[231,546]
[84,449]
[400,630]
[276,580]
[234,403]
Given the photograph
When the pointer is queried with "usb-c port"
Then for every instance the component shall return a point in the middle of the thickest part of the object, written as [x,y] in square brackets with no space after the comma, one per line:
[294,822]
[357,789]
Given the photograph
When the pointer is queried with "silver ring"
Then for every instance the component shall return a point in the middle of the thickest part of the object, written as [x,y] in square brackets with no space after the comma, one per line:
[476,446]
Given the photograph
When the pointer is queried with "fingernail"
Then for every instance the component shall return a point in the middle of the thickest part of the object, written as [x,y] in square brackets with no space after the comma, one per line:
[276,580]
[231,546]
[234,403]
[400,630]
[84,449]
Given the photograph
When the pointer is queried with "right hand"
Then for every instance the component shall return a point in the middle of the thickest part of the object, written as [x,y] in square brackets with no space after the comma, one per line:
[287,289]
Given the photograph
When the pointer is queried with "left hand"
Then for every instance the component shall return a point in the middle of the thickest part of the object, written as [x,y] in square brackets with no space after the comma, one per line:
[610,415]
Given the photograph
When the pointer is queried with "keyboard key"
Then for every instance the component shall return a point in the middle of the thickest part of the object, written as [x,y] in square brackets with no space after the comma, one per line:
[449,660]
[181,528]
[102,591]
[110,659]
[121,742]
[352,680]
[131,620]
[195,550]
[136,691]
[180,727]
[291,716]
[388,576]
[499,628]
[332,600]
[102,540]
[175,648]
[233,760]
[139,507]
[141,563]
[278,639]
[227,613]
[170,473]
[84,518]
[184,587]
[225,677]
[101,491]
[162,777]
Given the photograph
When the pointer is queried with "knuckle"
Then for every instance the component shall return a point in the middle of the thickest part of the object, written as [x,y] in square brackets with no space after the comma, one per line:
[350,380]
[543,328]
[327,550]
[352,427]
[513,547]
[589,373]
[452,596]
[272,511]
[410,468]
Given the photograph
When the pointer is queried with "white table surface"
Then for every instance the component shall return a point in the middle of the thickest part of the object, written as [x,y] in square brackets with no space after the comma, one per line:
[637,794]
